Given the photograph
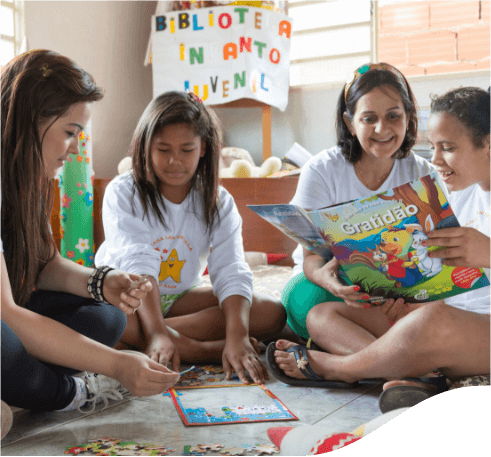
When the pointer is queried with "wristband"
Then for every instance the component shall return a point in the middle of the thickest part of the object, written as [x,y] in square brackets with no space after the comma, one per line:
[95,283]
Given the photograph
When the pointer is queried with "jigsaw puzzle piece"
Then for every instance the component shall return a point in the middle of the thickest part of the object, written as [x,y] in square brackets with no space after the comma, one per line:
[211,447]
[233,451]
[265,449]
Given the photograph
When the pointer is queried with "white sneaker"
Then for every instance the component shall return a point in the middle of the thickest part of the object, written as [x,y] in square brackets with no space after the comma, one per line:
[102,388]
[5,419]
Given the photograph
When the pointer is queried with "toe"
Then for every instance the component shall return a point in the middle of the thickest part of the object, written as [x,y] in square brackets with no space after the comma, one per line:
[284,344]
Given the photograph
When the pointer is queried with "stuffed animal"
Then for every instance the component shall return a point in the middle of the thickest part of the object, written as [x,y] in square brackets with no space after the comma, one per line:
[234,163]
[125,165]
[243,169]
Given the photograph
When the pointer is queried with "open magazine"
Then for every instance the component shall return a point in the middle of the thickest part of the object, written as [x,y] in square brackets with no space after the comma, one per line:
[378,241]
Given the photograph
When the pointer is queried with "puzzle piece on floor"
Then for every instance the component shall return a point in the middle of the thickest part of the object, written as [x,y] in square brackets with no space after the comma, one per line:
[265,449]
[193,450]
[112,446]
[152,449]
[233,451]
[211,447]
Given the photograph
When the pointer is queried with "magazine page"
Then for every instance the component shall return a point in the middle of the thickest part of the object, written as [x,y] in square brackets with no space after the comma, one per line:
[378,242]
[294,222]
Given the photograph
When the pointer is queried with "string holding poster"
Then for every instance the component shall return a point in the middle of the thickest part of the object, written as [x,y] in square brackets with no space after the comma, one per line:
[223,54]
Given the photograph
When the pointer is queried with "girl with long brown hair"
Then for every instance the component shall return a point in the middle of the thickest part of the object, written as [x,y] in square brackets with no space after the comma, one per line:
[58,318]
[161,219]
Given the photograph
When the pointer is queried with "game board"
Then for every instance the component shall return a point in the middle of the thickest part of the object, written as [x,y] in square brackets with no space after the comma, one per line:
[205,376]
[232,404]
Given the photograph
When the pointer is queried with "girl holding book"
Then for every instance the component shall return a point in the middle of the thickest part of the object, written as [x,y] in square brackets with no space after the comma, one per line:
[452,335]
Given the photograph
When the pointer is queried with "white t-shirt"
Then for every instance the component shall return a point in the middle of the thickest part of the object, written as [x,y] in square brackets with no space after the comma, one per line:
[175,256]
[471,206]
[329,179]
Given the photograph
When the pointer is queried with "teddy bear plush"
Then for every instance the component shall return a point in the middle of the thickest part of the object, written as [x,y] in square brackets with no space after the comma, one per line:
[234,163]
[238,163]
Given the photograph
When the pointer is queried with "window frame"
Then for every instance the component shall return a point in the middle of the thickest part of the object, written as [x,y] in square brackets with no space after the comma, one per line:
[18,39]
[373,51]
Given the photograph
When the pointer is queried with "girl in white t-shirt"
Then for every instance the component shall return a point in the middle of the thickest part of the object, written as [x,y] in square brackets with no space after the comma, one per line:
[451,336]
[161,219]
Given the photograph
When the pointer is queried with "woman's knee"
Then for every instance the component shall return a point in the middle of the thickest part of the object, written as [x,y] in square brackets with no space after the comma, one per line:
[324,312]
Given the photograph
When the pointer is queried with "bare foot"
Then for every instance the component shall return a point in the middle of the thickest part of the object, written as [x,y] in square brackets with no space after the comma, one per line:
[320,362]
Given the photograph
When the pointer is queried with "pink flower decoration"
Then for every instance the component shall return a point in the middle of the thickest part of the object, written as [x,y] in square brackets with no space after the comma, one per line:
[65,201]
[70,254]
[78,184]
[80,192]
[85,186]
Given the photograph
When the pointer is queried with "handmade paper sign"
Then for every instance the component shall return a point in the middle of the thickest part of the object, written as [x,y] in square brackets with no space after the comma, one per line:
[223,54]
[231,405]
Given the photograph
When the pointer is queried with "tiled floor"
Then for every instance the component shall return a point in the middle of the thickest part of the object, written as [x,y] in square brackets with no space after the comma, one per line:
[155,420]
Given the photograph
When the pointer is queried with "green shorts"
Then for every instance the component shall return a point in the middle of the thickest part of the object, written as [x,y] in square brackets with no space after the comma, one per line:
[298,297]
[166,301]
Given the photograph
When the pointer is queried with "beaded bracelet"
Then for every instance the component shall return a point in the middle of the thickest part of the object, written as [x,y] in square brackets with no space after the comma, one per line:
[96,283]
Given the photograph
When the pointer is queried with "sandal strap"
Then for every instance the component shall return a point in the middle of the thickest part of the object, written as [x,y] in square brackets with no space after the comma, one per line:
[439,381]
[300,353]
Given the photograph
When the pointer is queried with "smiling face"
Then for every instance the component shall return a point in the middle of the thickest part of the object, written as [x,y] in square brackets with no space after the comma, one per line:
[459,162]
[379,122]
[61,137]
[175,152]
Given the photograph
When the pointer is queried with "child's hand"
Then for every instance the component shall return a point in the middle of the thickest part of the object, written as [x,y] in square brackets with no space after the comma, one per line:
[161,349]
[396,309]
[241,355]
[465,247]
[116,285]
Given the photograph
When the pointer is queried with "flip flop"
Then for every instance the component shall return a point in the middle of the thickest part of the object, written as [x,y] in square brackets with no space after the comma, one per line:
[396,397]
[314,380]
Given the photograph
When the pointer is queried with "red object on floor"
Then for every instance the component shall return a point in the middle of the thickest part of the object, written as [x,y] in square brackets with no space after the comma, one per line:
[276,434]
[206,272]
[273,258]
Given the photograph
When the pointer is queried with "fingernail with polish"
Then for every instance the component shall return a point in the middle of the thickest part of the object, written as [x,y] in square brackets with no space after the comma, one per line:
[367,306]
[365,297]
[357,288]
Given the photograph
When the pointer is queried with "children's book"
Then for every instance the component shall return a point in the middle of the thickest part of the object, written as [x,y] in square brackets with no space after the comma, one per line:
[232,404]
[378,241]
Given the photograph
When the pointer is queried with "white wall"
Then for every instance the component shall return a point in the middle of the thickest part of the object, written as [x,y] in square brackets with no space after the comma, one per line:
[109,39]
[310,115]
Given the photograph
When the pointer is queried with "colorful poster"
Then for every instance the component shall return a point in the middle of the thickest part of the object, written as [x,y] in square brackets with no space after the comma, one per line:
[76,201]
[223,54]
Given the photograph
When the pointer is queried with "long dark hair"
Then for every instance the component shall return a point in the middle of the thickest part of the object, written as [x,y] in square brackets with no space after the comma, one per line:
[470,105]
[168,109]
[371,79]
[37,86]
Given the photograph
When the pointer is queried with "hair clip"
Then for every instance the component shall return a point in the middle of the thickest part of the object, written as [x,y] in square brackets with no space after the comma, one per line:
[194,97]
[373,66]
[45,70]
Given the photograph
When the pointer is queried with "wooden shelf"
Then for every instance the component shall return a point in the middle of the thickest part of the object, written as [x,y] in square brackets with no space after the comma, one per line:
[266,119]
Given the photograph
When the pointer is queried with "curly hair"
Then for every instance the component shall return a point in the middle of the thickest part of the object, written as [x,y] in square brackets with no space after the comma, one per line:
[470,105]
[37,87]
[177,108]
[349,144]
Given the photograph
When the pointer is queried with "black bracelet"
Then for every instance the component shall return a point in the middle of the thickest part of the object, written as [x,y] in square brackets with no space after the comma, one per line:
[95,283]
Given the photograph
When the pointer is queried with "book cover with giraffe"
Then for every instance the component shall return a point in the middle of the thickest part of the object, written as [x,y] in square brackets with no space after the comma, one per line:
[378,241]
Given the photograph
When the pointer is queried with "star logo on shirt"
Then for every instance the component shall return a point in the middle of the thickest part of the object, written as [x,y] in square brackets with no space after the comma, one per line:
[171,267]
